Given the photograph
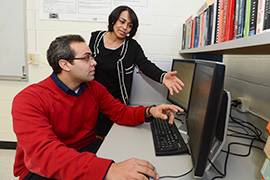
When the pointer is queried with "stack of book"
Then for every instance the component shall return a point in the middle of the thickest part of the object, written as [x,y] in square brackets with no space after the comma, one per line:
[224,20]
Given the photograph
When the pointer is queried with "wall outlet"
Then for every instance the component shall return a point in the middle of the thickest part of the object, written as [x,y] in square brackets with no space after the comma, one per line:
[244,105]
[33,58]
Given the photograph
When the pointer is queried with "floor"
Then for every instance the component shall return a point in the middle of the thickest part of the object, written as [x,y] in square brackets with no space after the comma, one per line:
[6,163]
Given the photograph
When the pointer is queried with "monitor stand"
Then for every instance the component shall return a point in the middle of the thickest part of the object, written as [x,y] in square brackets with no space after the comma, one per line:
[221,129]
[182,118]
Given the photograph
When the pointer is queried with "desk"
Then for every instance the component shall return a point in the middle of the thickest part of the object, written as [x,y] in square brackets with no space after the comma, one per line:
[125,142]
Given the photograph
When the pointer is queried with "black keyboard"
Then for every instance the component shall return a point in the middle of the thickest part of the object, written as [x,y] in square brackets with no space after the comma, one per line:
[167,139]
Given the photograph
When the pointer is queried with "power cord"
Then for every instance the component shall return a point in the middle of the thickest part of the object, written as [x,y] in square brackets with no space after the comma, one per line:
[228,152]
[238,127]
[181,175]
[254,136]
[249,126]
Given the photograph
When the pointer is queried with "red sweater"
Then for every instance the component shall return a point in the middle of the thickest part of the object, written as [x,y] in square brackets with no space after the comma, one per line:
[52,125]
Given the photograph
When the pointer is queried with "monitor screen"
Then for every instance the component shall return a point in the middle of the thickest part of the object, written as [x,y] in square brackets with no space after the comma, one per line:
[203,111]
[185,71]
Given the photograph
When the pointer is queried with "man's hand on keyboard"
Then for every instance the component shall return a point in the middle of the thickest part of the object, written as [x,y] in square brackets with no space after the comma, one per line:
[165,111]
[132,169]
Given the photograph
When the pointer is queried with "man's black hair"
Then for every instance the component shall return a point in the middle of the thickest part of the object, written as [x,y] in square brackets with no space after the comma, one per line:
[60,49]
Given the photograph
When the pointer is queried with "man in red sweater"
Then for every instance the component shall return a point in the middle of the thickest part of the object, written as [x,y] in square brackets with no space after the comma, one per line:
[54,121]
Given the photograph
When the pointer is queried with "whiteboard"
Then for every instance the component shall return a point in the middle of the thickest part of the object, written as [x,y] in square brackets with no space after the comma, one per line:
[13,40]
[91,10]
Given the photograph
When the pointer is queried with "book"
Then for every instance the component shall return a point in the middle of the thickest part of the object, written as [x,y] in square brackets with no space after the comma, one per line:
[220,36]
[225,16]
[201,29]
[197,31]
[192,33]
[210,24]
[188,32]
[253,17]
[205,33]
[183,36]
[266,23]
[247,18]
[260,16]
[215,22]
[241,19]
[229,32]
[236,16]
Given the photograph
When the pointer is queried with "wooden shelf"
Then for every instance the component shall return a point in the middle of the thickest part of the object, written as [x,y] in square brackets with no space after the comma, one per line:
[257,44]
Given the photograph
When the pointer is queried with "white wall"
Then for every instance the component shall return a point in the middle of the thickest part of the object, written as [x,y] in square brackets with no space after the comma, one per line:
[160,39]
[249,76]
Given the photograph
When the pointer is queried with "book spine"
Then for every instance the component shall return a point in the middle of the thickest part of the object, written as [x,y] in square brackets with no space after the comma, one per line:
[220,21]
[184,36]
[236,18]
[206,14]
[215,20]
[225,18]
[229,33]
[241,19]
[253,17]
[266,23]
[247,18]
[201,29]
[210,25]
[260,16]
[192,33]
[197,34]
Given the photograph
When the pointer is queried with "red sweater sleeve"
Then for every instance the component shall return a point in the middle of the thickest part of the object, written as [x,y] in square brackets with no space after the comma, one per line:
[44,154]
[116,110]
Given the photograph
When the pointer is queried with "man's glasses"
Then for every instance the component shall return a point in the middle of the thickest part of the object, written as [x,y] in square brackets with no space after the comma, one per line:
[87,58]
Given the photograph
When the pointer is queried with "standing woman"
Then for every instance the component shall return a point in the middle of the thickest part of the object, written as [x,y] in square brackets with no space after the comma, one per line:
[117,54]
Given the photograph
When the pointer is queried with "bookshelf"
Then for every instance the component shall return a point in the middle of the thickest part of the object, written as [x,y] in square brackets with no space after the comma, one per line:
[256,44]
[228,27]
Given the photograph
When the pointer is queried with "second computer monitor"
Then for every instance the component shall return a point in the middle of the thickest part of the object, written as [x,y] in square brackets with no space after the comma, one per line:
[185,72]
[205,100]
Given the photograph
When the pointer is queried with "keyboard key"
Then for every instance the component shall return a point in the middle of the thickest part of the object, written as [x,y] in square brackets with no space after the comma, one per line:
[167,139]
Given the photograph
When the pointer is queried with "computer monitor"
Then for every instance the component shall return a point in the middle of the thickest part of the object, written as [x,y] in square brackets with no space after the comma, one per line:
[185,72]
[203,112]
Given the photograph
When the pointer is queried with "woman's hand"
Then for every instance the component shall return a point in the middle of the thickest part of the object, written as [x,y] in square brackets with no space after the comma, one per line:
[172,82]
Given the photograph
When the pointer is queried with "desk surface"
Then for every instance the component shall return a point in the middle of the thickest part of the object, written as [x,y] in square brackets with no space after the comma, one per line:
[125,142]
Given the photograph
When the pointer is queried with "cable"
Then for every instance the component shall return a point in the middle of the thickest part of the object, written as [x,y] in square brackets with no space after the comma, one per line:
[256,131]
[161,177]
[181,120]
[239,127]
[228,152]
[255,136]
[238,132]
[245,137]
[245,122]
[243,144]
